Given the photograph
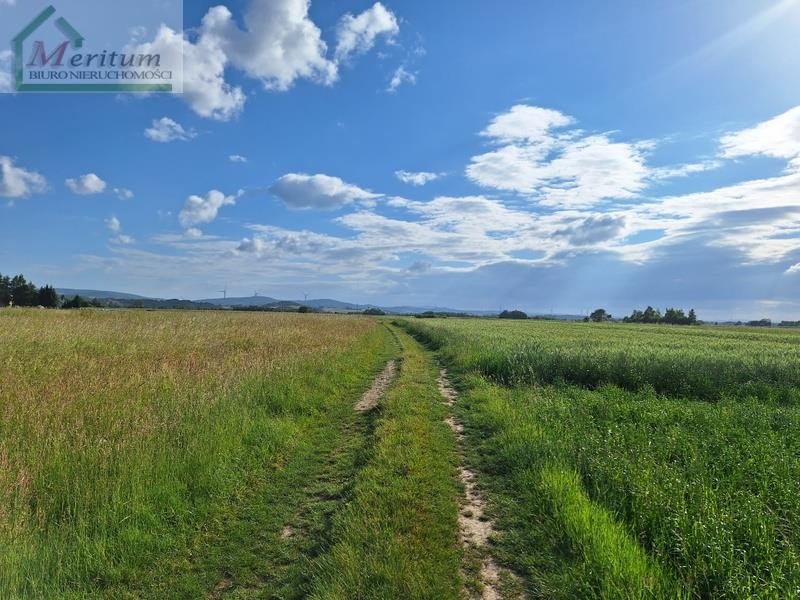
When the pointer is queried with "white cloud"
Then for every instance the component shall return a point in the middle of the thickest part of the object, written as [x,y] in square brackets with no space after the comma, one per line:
[794,269]
[254,245]
[193,232]
[16,182]
[198,209]
[400,77]
[778,137]
[594,229]
[204,62]
[558,168]
[86,185]
[6,74]
[320,192]
[113,225]
[684,170]
[237,158]
[760,219]
[357,34]
[123,239]
[278,44]
[166,130]
[523,123]
[417,177]
[123,193]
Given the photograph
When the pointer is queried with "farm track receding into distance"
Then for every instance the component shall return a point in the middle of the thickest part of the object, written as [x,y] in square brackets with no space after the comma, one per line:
[236,455]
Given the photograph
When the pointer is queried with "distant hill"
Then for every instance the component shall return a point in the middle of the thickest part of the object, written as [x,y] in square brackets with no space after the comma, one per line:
[329,304]
[245,301]
[266,302]
[99,294]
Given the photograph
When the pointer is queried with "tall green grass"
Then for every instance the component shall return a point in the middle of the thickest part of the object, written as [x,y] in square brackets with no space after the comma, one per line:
[700,362]
[708,490]
[126,434]
[648,491]
[613,564]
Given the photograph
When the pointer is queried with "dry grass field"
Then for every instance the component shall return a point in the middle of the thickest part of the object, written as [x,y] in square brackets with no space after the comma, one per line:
[120,431]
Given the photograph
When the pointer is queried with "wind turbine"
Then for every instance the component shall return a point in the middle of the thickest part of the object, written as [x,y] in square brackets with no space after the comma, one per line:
[224,292]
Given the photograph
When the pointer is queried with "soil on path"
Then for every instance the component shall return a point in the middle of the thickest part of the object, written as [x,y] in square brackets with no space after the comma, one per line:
[476,529]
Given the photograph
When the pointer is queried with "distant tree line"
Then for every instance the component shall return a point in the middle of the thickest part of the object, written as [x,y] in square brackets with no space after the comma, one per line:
[672,316]
[18,291]
[760,323]
[512,314]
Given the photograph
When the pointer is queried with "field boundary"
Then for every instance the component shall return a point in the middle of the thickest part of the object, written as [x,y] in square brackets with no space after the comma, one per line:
[477,531]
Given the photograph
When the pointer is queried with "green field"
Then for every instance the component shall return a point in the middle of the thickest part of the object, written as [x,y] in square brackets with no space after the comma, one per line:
[179,454]
[700,362]
[635,461]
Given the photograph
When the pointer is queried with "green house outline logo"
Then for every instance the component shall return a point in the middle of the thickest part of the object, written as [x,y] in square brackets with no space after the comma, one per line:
[76,40]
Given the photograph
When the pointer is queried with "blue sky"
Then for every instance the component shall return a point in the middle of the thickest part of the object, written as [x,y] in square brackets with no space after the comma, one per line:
[547,156]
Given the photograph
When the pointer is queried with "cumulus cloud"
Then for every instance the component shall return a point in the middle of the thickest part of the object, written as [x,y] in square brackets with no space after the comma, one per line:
[564,171]
[778,137]
[556,166]
[113,224]
[17,182]
[793,270]
[204,62]
[237,158]
[277,242]
[400,77]
[319,192]
[417,178]
[252,246]
[123,239]
[357,34]
[523,123]
[277,44]
[86,185]
[123,193]
[165,130]
[203,209]
[593,229]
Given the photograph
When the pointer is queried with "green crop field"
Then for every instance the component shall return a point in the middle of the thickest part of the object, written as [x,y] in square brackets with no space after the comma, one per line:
[634,461]
[217,454]
[698,362]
